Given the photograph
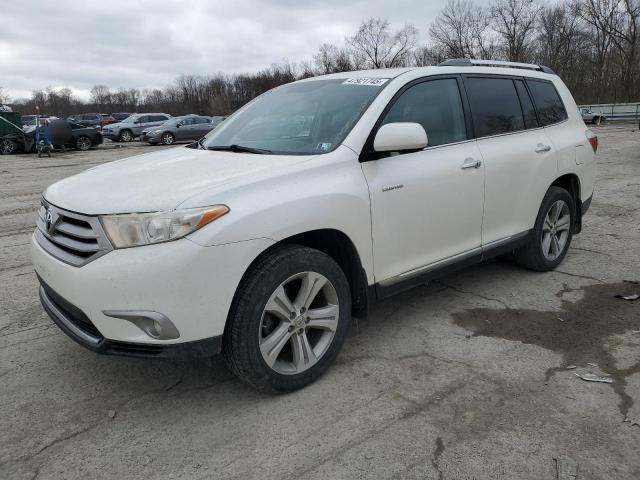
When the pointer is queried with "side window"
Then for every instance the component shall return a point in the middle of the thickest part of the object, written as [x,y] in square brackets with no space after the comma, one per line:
[437,106]
[548,103]
[187,121]
[495,106]
[203,120]
[143,119]
[157,118]
[530,119]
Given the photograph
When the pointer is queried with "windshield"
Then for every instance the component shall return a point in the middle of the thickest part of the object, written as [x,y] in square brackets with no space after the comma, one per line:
[299,118]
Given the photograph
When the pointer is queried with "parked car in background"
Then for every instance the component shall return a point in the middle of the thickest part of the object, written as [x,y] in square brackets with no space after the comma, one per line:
[63,134]
[132,126]
[106,119]
[120,116]
[87,119]
[84,138]
[176,129]
[592,117]
[31,121]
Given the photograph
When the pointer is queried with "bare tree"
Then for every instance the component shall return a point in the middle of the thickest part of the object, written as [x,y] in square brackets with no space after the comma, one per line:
[380,47]
[4,98]
[462,30]
[624,35]
[601,15]
[331,59]
[561,38]
[515,22]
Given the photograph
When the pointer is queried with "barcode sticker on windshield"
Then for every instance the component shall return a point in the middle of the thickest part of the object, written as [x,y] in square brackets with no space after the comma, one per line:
[375,82]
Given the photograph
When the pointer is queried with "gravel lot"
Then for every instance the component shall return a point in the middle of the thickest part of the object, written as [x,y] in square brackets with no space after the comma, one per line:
[466,378]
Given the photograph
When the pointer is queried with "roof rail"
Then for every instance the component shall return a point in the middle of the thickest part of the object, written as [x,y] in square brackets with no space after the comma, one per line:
[470,62]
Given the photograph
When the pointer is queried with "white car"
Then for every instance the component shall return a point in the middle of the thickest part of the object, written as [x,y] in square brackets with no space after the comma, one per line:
[311,202]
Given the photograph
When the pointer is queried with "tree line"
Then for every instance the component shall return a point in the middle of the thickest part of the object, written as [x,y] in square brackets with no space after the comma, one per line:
[592,44]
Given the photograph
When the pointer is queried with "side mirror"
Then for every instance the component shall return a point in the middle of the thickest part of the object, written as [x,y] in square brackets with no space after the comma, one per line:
[400,136]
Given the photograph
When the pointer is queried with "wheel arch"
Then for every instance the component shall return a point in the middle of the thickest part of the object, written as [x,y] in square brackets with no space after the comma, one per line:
[341,249]
[571,183]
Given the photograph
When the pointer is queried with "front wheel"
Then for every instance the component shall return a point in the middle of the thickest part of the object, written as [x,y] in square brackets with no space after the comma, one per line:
[125,136]
[552,233]
[168,138]
[288,320]
[7,147]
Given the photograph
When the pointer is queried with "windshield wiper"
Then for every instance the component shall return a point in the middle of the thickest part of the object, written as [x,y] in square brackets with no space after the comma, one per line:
[239,148]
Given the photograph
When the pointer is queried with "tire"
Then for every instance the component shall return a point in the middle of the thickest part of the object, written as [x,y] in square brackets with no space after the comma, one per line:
[258,319]
[125,136]
[543,253]
[83,143]
[167,138]
[8,146]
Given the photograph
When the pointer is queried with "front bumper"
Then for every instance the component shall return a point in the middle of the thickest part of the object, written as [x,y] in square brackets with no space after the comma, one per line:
[79,328]
[111,135]
[191,285]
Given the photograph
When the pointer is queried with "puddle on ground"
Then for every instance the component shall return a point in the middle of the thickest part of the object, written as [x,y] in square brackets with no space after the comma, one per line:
[581,334]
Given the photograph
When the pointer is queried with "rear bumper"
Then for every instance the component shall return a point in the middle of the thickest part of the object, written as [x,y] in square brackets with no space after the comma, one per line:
[72,321]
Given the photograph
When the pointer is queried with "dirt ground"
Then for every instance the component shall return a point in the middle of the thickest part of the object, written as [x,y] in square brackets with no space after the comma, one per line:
[470,377]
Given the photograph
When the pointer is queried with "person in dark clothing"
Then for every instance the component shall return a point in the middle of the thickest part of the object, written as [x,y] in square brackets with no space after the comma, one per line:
[43,138]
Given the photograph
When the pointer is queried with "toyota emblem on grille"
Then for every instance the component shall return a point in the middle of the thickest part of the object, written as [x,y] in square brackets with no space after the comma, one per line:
[49,225]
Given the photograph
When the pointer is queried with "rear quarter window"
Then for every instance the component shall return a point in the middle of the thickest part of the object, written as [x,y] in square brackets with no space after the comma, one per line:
[495,106]
[547,102]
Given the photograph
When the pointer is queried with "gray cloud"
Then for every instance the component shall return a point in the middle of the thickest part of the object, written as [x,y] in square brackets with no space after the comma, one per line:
[146,44]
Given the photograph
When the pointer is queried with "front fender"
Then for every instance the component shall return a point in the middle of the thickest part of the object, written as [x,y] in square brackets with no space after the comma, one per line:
[331,193]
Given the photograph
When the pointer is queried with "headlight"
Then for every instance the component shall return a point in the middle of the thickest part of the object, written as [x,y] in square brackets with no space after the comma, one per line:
[135,229]
[157,131]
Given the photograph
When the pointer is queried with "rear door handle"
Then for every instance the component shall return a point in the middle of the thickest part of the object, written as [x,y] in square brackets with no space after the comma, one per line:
[470,163]
[541,148]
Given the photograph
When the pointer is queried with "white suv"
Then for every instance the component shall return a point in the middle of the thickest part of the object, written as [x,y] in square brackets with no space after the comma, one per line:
[309,203]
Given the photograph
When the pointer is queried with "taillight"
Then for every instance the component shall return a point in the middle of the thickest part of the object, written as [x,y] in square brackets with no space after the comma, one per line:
[593,140]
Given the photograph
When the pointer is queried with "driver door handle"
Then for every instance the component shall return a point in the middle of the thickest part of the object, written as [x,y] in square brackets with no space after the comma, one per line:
[470,163]
[541,148]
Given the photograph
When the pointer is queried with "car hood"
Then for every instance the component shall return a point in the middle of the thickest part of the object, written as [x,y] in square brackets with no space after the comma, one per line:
[163,180]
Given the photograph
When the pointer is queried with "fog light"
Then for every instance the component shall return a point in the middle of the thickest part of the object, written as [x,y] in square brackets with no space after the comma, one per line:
[154,324]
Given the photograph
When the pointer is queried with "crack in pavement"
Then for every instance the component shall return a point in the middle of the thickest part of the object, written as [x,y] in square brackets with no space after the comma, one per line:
[436,457]
[468,292]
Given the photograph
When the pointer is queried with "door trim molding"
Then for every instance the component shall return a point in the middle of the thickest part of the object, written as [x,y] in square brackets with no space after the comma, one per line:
[421,275]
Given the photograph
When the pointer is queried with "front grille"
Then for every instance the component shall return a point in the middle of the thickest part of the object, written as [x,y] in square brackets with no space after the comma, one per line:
[71,237]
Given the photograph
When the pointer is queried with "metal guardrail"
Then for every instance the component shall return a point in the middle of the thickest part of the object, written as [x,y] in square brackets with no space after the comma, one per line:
[616,111]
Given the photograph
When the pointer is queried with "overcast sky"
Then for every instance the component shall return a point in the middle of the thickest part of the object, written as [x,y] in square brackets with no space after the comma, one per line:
[146,44]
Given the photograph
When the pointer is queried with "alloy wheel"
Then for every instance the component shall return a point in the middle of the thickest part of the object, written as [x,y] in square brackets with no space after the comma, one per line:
[126,136]
[167,139]
[7,147]
[555,230]
[299,322]
[83,143]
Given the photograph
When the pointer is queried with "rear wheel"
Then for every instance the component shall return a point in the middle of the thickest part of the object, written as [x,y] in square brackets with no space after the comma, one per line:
[288,320]
[7,147]
[552,233]
[167,138]
[126,136]
[83,143]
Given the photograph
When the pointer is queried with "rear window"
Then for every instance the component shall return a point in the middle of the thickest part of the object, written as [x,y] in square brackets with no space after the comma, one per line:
[548,103]
[158,118]
[495,106]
